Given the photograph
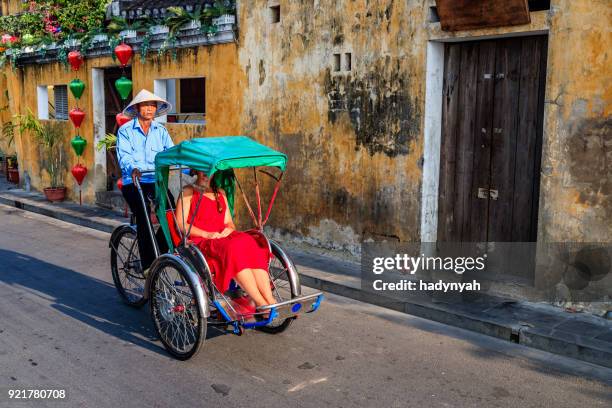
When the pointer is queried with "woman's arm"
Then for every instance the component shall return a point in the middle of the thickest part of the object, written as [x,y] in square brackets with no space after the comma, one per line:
[182,212]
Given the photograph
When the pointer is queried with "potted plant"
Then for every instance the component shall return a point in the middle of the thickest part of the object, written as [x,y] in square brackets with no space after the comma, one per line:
[119,26]
[109,142]
[180,19]
[50,137]
[226,14]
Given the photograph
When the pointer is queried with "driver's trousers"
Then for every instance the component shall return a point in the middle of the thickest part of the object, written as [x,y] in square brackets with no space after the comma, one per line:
[145,246]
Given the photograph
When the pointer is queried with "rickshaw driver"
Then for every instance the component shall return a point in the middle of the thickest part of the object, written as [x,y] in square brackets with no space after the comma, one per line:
[138,142]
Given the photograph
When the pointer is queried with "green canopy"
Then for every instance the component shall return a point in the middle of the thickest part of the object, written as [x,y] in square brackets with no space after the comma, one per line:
[212,155]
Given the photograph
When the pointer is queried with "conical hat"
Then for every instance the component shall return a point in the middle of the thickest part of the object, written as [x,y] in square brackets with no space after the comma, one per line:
[163,106]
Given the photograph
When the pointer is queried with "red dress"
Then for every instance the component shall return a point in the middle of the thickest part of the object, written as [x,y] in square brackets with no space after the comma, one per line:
[225,256]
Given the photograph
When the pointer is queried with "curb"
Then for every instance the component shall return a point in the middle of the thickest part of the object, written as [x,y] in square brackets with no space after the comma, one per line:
[59,215]
[499,328]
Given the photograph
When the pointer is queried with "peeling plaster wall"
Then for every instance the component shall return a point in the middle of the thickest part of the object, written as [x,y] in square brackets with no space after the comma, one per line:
[5,114]
[353,138]
[577,156]
[11,7]
[223,84]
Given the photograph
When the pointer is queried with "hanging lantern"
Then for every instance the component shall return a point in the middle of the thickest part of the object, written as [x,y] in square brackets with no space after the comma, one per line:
[124,87]
[79,172]
[78,144]
[77,87]
[123,53]
[75,59]
[122,119]
[76,116]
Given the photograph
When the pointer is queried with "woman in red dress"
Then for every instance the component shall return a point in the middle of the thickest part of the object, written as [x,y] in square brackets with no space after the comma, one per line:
[230,254]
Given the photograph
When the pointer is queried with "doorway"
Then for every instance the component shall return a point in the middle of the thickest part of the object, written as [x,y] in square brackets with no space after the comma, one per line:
[491,140]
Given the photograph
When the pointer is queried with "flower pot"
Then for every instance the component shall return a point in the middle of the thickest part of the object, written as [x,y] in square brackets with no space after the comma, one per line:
[160,29]
[192,25]
[72,42]
[12,176]
[128,34]
[100,38]
[225,19]
[55,194]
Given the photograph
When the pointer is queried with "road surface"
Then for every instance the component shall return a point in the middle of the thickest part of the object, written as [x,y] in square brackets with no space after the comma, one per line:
[62,326]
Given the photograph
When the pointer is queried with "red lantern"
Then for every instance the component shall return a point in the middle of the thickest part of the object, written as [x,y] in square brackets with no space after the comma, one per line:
[123,53]
[122,119]
[79,172]
[75,59]
[120,184]
[76,116]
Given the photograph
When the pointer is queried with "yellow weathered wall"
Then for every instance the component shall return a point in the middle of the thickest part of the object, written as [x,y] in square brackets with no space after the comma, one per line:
[11,7]
[5,115]
[577,156]
[23,90]
[355,139]
[224,86]
[214,63]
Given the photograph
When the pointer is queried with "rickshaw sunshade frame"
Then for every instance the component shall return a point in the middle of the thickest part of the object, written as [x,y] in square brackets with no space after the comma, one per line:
[212,155]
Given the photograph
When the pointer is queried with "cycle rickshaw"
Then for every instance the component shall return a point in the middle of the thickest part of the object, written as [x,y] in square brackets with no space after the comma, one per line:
[179,283]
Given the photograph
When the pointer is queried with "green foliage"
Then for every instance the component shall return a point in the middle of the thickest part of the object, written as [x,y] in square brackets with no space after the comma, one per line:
[57,21]
[50,137]
[107,142]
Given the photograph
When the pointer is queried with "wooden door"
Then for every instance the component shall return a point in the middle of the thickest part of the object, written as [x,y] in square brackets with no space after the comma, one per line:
[492,109]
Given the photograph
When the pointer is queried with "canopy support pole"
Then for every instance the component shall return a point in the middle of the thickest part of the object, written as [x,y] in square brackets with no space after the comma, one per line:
[259,224]
[246,201]
[276,187]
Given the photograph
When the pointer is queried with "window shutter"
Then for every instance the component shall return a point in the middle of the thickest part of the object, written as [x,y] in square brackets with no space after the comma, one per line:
[60,93]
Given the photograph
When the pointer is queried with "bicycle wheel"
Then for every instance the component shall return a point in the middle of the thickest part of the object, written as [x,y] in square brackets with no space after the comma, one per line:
[126,269]
[279,270]
[175,310]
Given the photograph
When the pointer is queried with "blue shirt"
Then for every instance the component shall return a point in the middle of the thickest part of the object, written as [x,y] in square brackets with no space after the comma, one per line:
[135,150]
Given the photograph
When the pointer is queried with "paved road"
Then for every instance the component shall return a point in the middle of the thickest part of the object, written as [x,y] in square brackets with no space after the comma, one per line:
[62,326]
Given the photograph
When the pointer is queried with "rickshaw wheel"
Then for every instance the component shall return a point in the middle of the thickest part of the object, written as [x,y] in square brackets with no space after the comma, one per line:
[281,289]
[125,267]
[175,310]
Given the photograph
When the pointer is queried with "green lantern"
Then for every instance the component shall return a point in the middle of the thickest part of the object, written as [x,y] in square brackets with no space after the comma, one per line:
[77,87]
[78,144]
[124,87]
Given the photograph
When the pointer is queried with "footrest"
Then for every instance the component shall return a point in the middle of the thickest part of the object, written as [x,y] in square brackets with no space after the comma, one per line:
[295,306]
[288,309]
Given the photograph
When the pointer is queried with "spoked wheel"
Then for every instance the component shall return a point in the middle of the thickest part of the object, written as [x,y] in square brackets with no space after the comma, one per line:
[281,288]
[126,269]
[175,310]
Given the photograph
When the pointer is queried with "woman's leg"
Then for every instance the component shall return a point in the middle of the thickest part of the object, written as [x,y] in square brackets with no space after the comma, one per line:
[263,284]
[246,280]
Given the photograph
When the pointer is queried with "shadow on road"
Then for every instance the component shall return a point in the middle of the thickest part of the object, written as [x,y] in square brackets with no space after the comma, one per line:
[84,298]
